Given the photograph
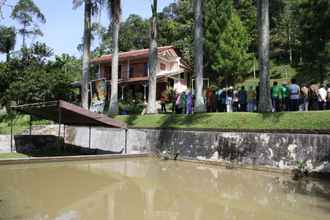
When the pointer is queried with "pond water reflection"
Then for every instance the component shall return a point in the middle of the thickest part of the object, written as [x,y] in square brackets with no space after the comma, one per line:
[146,188]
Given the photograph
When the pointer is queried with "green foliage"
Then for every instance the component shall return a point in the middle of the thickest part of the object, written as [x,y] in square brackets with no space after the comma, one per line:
[313,20]
[31,77]
[69,65]
[227,42]
[25,12]
[7,39]
[131,107]
[134,33]
[20,123]
[175,25]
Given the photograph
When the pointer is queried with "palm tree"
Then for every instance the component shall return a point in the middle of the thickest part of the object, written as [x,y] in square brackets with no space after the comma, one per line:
[115,11]
[265,104]
[89,10]
[151,108]
[23,12]
[7,40]
[198,55]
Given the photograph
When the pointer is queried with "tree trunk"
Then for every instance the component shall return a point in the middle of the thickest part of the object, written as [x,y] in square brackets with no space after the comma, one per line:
[198,55]
[113,108]
[265,104]
[7,56]
[290,46]
[153,60]
[86,53]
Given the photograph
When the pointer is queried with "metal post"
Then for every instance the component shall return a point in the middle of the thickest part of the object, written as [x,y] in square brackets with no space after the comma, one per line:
[59,125]
[126,140]
[11,132]
[90,136]
[30,124]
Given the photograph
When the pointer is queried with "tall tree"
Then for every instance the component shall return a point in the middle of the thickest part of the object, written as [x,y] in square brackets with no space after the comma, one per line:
[153,60]
[198,55]
[263,29]
[115,9]
[25,12]
[90,8]
[7,40]
[231,57]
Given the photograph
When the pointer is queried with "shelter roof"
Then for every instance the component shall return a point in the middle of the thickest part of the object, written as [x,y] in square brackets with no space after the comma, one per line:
[66,113]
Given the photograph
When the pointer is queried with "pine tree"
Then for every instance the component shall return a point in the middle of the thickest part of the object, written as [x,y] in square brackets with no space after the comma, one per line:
[231,59]
[25,12]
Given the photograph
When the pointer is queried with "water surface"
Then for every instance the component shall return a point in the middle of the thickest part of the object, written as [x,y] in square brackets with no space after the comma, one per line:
[124,189]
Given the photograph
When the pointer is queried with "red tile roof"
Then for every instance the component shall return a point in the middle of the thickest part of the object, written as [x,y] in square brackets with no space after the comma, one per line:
[143,53]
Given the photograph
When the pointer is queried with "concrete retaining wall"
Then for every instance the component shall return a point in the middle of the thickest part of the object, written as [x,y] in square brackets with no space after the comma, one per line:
[109,139]
[281,151]
[273,150]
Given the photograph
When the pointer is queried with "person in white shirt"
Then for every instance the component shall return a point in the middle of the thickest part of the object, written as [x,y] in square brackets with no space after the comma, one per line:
[328,97]
[294,91]
[229,100]
[322,97]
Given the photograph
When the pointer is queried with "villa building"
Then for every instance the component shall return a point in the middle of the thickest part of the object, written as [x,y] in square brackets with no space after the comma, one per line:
[133,72]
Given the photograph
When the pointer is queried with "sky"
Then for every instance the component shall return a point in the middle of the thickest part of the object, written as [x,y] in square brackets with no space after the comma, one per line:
[64,27]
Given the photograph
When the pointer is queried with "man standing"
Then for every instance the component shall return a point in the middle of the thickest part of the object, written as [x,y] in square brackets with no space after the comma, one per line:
[294,90]
[242,94]
[322,97]
[305,97]
[276,95]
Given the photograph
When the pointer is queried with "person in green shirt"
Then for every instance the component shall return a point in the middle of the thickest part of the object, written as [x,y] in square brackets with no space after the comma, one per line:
[285,96]
[276,96]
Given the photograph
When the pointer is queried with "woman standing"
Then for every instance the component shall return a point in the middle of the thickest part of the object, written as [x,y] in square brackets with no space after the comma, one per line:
[189,103]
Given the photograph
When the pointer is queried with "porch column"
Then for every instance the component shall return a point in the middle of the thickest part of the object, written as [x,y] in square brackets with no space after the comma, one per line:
[122,92]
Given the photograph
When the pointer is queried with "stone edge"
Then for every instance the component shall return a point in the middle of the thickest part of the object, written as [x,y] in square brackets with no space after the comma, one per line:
[68,158]
[270,131]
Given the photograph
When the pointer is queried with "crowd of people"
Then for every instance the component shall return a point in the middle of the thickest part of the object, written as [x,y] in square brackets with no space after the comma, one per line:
[285,97]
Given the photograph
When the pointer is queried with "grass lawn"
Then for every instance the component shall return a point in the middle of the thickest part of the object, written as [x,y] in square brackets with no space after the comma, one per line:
[11,155]
[20,123]
[284,120]
[317,120]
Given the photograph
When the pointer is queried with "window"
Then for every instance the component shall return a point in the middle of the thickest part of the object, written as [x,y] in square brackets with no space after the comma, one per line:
[145,69]
[131,71]
[119,72]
